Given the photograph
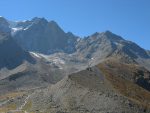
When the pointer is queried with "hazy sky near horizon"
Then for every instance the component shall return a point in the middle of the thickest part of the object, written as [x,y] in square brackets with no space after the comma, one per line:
[128,18]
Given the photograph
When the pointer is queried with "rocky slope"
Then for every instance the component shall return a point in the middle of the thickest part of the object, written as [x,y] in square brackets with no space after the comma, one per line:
[100,46]
[20,69]
[95,90]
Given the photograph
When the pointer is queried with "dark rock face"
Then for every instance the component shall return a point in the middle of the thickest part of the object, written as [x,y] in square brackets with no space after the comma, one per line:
[45,37]
[11,55]
[143,79]
[4,25]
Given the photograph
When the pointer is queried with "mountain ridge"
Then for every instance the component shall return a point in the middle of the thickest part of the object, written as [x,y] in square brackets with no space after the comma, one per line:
[48,37]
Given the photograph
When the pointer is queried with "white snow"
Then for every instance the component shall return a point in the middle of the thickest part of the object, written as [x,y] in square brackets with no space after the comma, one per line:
[55,60]
[36,54]
[44,56]
[25,28]
[24,21]
[58,61]
[14,30]
[78,39]
[50,58]
[118,44]
[28,27]
[20,20]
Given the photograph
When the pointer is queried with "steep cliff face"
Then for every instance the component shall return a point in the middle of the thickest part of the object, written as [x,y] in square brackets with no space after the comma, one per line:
[4,25]
[12,55]
[42,36]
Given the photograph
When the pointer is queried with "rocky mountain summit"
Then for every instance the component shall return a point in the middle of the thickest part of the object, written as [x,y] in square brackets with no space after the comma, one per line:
[43,36]
[107,44]
[46,70]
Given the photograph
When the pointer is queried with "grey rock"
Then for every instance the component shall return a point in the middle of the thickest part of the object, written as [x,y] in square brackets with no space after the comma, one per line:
[12,55]
[42,36]
[4,25]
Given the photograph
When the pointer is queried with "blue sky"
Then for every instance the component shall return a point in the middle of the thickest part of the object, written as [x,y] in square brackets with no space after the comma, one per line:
[128,18]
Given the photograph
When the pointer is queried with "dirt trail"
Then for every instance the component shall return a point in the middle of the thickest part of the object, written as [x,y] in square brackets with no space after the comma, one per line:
[21,107]
[25,102]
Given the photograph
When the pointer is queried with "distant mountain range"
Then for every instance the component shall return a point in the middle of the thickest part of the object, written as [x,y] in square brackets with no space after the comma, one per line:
[44,69]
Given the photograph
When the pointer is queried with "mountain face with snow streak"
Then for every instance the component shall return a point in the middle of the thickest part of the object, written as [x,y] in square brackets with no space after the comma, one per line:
[42,36]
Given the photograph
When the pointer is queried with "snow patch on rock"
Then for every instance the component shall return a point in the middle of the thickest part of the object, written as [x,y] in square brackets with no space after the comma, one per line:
[14,30]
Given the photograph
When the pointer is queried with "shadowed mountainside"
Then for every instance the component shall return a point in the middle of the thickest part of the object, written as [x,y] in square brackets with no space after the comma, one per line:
[12,55]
